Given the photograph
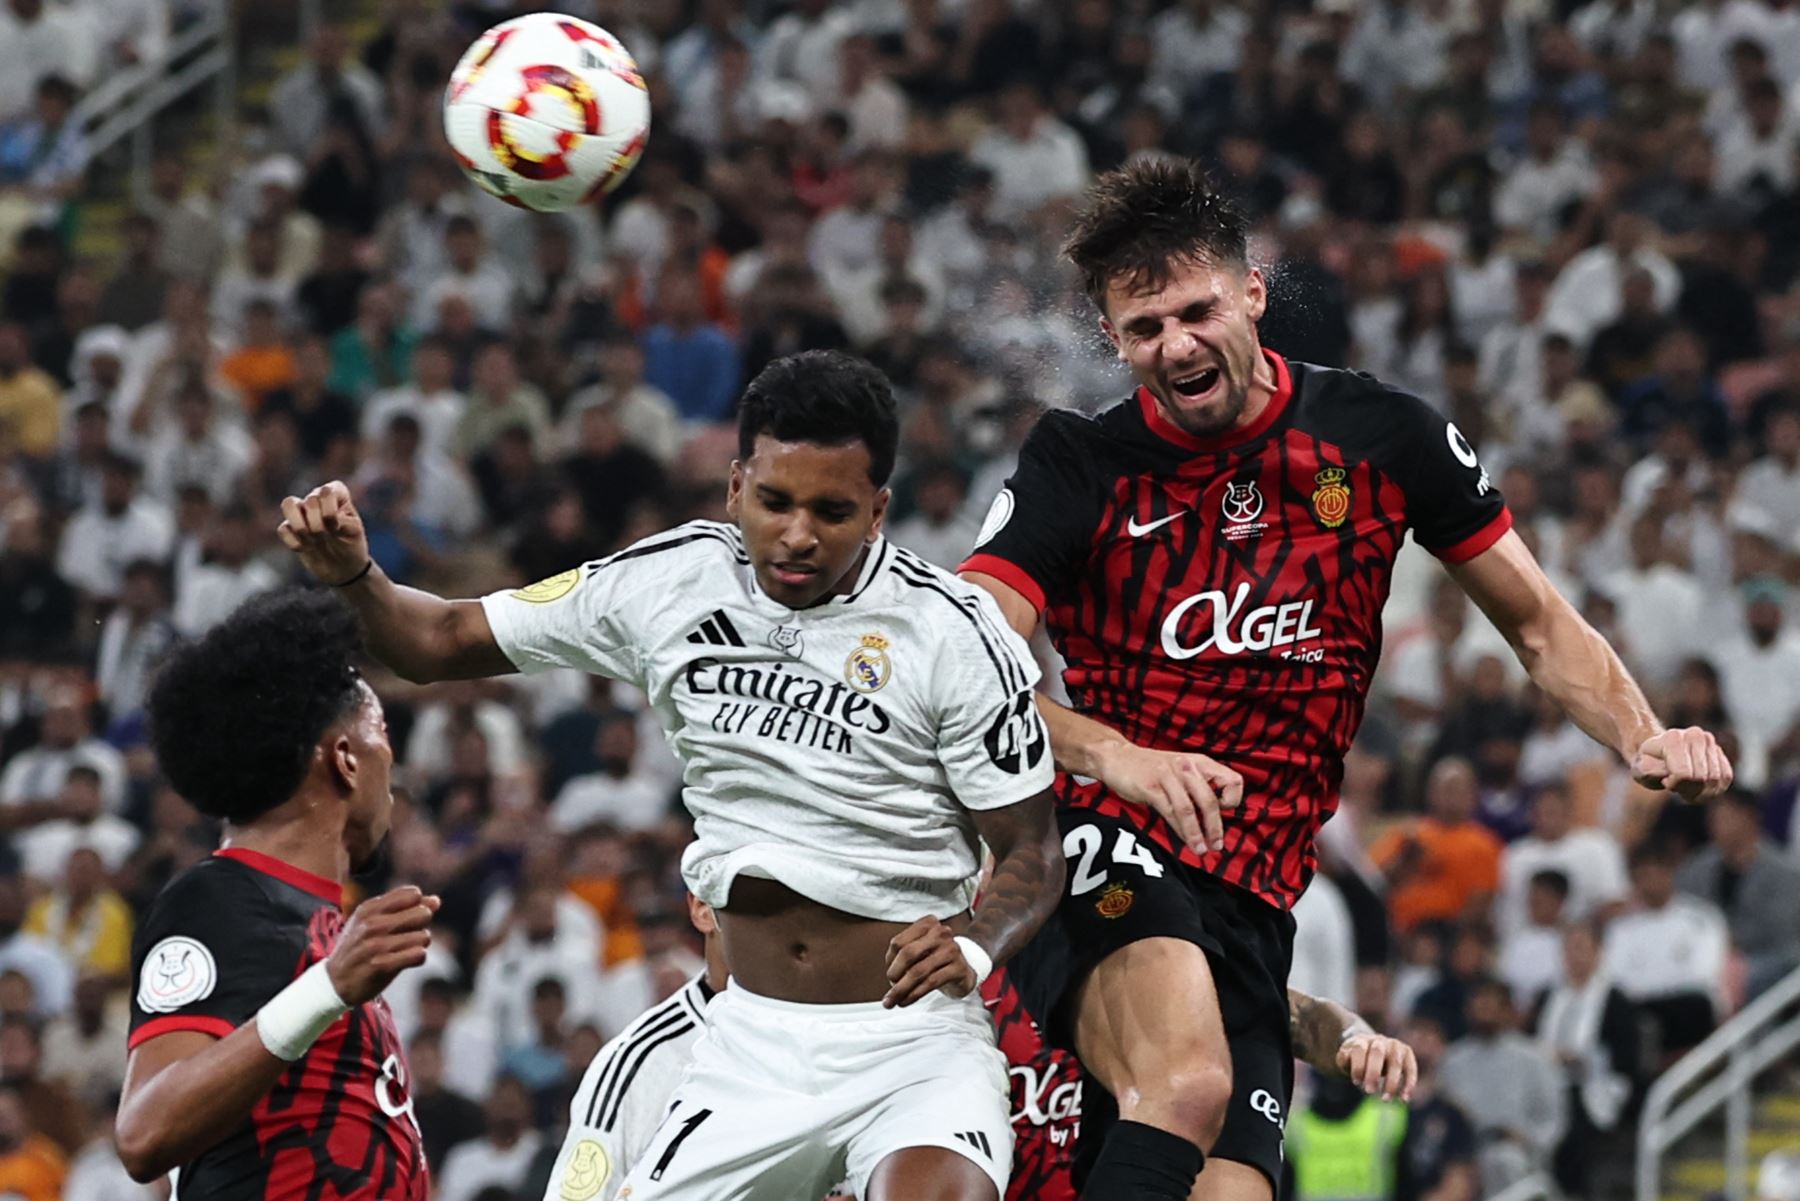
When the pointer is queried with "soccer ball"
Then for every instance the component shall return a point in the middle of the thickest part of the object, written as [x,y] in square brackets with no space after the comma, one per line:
[547,112]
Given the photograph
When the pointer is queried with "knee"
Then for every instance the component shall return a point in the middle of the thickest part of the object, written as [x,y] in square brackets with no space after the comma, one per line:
[1188,1100]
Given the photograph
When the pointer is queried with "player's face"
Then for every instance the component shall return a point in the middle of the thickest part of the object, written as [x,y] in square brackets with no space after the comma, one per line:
[807,512]
[371,779]
[1192,343]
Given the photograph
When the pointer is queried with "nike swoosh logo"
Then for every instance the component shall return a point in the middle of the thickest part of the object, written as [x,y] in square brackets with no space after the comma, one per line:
[1138,531]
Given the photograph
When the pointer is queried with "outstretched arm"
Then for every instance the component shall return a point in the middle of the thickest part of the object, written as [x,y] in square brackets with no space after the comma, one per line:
[1568,659]
[422,637]
[1021,894]
[1335,1040]
[1189,790]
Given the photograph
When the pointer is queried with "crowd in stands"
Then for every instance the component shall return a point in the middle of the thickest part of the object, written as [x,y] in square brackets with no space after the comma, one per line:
[1574,227]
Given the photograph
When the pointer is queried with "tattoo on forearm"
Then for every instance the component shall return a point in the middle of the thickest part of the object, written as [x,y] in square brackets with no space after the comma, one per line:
[1318,1027]
[1027,880]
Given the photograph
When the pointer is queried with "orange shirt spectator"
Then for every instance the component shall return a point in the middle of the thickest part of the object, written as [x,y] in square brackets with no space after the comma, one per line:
[1444,865]
[31,1166]
[263,362]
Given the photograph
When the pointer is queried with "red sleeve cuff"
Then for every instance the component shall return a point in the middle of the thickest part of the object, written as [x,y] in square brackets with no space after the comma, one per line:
[1008,573]
[1480,540]
[217,1027]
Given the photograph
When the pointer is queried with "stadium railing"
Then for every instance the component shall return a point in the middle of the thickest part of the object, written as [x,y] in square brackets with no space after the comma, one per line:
[1717,1075]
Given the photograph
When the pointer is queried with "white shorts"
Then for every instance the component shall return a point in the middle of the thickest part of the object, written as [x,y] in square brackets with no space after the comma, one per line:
[784,1101]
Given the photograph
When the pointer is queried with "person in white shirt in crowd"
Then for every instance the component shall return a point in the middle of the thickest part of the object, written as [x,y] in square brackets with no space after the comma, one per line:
[101,539]
[1772,483]
[1531,954]
[957,237]
[1324,961]
[876,107]
[1669,953]
[86,825]
[468,271]
[261,276]
[429,398]
[84,1050]
[502,1156]
[1394,48]
[1591,1030]
[36,958]
[200,446]
[410,236]
[801,47]
[644,412]
[302,98]
[897,256]
[619,794]
[134,638]
[934,531]
[539,931]
[1586,296]
[270,194]
[1554,172]
[1590,859]
[1701,38]
[228,575]
[1661,603]
[1743,872]
[1755,151]
[847,239]
[432,488]
[1510,1089]
[471,1048]
[40,38]
[448,709]
[64,742]
[1035,158]
[1194,39]
[1759,675]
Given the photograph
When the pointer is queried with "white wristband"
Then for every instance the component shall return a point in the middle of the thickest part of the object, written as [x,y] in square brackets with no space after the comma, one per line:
[977,957]
[294,1018]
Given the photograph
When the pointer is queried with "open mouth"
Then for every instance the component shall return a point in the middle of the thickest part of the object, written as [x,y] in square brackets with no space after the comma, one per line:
[1197,384]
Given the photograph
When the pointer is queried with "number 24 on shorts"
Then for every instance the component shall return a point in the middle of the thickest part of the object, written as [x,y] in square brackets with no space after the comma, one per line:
[1082,846]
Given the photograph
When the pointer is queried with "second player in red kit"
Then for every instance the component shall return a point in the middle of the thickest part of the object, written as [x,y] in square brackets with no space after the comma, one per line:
[264,1063]
[1211,557]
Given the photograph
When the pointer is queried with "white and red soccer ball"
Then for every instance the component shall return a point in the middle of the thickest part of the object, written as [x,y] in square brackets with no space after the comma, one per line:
[547,112]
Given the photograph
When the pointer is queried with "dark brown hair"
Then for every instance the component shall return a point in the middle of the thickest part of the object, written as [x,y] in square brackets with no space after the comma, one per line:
[1142,220]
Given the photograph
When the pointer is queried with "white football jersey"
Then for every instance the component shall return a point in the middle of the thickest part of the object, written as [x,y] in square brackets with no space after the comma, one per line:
[836,749]
[624,1095]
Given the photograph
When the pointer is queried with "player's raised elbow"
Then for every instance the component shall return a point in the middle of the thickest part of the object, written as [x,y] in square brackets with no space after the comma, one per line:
[144,1149]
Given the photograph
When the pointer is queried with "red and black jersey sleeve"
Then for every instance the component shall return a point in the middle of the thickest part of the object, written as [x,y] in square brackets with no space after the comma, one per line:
[209,954]
[1040,530]
[1454,509]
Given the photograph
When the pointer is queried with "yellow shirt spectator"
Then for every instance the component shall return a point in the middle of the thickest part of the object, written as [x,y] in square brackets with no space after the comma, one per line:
[89,922]
[30,401]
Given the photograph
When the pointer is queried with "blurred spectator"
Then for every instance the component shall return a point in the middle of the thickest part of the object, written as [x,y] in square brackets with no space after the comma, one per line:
[502,1156]
[52,1109]
[65,742]
[1668,953]
[646,416]
[537,1060]
[1510,1089]
[228,575]
[693,361]
[1771,484]
[83,917]
[446,1117]
[1450,984]
[1552,174]
[429,399]
[1753,883]
[1680,390]
[1437,1156]
[1759,676]
[1034,157]
[40,40]
[1590,860]
[468,273]
[37,606]
[83,825]
[498,400]
[198,447]
[302,99]
[37,959]
[84,1050]
[1531,950]
[1324,957]
[32,1166]
[1345,1146]
[30,401]
[619,794]
[1588,294]
[103,538]
[933,532]
[325,419]
[608,473]
[1446,864]
[1660,602]
[133,297]
[1590,1029]
[45,153]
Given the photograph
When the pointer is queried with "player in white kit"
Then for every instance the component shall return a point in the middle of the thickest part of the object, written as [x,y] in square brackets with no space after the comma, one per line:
[853,723]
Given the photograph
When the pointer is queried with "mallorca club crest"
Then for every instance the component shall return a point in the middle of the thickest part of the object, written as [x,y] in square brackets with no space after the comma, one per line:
[1115,901]
[1331,499]
[868,667]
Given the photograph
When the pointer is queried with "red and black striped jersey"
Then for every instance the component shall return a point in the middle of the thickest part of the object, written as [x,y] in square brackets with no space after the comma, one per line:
[224,937]
[1224,594]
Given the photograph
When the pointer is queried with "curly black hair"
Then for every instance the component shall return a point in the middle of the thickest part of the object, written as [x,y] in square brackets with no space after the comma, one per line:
[1142,220]
[825,397]
[234,716]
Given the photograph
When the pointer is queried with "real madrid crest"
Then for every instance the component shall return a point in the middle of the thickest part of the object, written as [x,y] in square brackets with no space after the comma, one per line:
[1331,499]
[868,667]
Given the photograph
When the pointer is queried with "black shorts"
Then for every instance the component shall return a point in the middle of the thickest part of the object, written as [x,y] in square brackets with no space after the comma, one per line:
[1121,888]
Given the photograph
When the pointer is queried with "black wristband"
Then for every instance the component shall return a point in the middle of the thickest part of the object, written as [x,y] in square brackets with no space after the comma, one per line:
[367,568]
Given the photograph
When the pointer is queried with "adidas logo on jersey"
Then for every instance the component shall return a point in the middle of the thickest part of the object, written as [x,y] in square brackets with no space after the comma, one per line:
[978,1140]
[717,630]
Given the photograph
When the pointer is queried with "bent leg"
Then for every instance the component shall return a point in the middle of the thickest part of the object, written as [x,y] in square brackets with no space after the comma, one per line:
[930,1174]
[1229,1180]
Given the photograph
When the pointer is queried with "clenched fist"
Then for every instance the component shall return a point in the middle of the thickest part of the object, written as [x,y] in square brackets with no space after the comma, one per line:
[385,936]
[326,531]
[922,958]
[1688,762]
